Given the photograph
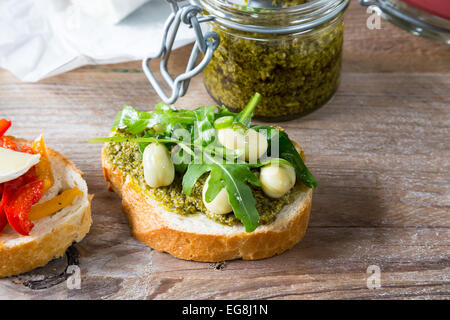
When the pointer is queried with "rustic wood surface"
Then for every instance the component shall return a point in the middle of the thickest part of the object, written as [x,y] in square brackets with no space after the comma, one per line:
[380,151]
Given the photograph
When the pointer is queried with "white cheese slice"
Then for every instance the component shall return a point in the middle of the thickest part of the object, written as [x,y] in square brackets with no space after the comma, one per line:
[13,164]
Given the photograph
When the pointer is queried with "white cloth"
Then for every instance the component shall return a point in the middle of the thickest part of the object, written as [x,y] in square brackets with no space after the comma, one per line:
[42,38]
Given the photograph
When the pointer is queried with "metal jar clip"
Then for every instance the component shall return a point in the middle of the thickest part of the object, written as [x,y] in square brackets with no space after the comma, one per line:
[205,44]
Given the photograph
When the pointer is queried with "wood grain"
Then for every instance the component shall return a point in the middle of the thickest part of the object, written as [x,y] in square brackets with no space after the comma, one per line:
[380,151]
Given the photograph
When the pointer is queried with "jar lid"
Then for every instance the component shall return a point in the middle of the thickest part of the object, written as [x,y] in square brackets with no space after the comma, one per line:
[273,16]
[264,4]
[426,18]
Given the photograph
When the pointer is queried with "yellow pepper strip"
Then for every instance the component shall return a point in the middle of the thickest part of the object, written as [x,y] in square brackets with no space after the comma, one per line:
[43,168]
[47,208]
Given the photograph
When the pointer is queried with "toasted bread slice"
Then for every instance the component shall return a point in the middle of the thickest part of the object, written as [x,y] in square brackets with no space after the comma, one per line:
[200,238]
[51,236]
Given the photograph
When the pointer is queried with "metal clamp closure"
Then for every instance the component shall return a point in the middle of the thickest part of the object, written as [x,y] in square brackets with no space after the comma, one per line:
[206,44]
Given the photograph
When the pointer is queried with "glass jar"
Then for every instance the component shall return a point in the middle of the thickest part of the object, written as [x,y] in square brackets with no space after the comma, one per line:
[295,67]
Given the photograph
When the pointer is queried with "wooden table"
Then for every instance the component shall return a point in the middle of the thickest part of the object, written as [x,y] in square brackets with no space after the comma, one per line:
[380,151]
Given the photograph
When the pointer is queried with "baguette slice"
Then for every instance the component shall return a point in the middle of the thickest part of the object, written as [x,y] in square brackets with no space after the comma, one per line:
[200,238]
[51,236]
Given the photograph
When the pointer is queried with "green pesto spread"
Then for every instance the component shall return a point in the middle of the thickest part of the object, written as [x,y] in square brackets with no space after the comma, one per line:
[296,74]
[288,3]
[126,157]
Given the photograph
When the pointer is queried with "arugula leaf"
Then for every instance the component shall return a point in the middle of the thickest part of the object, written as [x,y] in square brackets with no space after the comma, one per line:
[233,178]
[193,173]
[269,161]
[135,121]
[288,152]
[223,122]
[169,117]
[143,145]
[179,160]
[223,111]
[247,113]
[241,196]
[204,132]
[215,184]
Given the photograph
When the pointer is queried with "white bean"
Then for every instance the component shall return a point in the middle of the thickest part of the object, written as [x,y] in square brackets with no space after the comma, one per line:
[159,170]
[220,204]
[253,144]
[277,180]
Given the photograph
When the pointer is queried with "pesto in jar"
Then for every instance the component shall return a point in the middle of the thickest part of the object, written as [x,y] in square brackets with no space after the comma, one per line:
[295,73]
[126,157]
[288,3]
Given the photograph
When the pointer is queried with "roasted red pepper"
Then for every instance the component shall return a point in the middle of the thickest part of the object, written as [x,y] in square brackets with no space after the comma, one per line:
[19,206]
[4,126]
[7,143]
[3,220]
[10,188]
[17,196]
[27,149]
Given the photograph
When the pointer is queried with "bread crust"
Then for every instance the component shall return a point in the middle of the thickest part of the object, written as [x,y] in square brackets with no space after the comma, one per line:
[37,251]
[149,226]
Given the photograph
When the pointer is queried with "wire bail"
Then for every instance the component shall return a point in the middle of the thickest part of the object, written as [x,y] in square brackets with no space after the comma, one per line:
[205,43]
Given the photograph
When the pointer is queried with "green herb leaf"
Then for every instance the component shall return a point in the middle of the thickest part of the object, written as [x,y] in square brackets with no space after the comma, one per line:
[288,152]
[170,118]
[241,198]
[215,184]
[143,145]
[233,178]
[223,122]
[193,173]
[135,121]
[247,113]
[204,132]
